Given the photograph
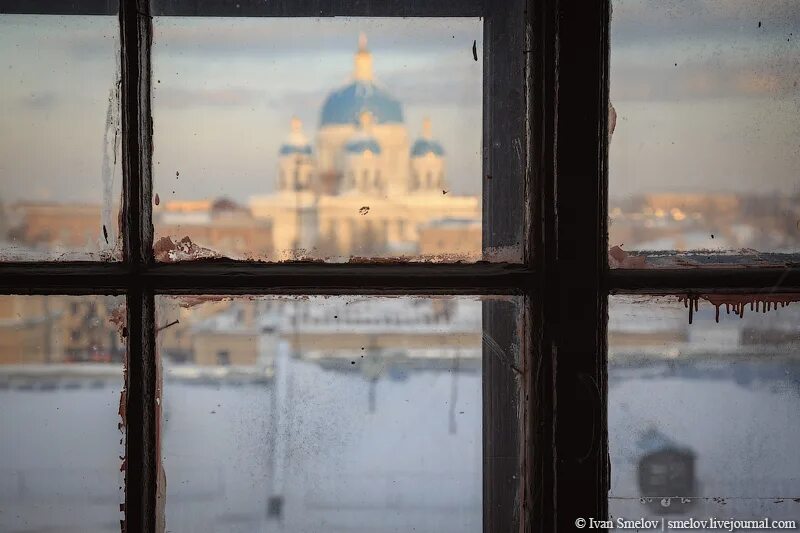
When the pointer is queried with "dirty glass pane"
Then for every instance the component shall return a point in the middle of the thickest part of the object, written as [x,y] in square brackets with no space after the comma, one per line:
[60,172]
[61,442]
[322,413]
[705,151]
[704,418]
[280,139]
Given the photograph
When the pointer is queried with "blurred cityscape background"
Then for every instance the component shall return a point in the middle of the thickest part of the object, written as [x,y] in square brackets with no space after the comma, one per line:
[340,413]
[365,414]
[265,148]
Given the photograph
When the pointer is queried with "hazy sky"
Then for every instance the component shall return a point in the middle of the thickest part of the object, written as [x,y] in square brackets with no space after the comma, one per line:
[726,117]
[707,100]
[57,74]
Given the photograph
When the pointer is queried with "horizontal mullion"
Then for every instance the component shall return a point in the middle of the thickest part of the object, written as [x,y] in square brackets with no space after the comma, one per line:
[320,8]
[744,279]
[227,276]
[257,8]
[74,277]
[60,7]
[320,278]
[478,278]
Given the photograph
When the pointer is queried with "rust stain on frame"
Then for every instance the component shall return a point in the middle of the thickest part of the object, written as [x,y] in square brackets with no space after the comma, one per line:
[121,425]
[619,258]
[738,303]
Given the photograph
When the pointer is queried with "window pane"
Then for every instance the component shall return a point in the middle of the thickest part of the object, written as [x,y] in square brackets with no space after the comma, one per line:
[60,172]
[280,139]
[61,446]
[708,413]
[322,414]
[706,147]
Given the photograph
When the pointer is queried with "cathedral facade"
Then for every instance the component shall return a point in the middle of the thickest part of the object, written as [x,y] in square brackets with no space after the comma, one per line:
[363,188]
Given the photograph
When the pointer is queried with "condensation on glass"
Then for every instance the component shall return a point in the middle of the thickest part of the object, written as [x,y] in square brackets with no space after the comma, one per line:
[704,418]
[60,172]
[322,413]
[706,148]
[324,139]
[61,431]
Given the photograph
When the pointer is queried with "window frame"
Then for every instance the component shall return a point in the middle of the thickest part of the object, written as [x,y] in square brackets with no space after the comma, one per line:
[546,92]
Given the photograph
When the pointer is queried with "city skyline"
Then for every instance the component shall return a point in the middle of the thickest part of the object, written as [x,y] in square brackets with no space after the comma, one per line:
[732,92]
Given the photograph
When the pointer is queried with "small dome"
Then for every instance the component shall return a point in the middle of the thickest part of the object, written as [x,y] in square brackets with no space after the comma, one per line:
[297,142]
[363,140]
[288,149]
[357,146]
[425,144]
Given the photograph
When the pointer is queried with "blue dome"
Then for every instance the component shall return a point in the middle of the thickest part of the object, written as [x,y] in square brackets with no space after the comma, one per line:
[424,146]
[290,149]
[344,105]
[359,146]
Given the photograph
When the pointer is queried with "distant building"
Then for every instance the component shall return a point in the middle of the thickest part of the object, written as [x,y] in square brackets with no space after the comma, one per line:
[407,332]
[706,221]
[450,237]
[38,330]
[365,189]
[220,225]
[635,331]
[58,225]
[29,331]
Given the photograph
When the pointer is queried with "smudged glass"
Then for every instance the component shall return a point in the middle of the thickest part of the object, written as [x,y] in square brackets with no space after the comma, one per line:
[60,166]
[61,431]
[703,418]
[322,413]
[706,143]
[327,139]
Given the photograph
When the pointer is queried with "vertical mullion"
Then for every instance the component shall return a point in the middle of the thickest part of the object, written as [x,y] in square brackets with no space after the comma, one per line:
[577,299]
[542,246]
[504,377]
[142,423]
[142,458]
[505,173]
[137,29]
[505,128]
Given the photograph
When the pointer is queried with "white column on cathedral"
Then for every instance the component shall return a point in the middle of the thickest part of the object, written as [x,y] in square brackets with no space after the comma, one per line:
[363,164]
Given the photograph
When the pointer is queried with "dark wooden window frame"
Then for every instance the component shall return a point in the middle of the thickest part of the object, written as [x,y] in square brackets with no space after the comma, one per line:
[545,142]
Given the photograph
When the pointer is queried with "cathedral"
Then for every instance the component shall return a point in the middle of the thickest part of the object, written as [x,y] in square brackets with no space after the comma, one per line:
[363,188]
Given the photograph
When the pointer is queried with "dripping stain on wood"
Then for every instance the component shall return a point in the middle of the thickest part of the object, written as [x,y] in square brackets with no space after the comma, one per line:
[738,303]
